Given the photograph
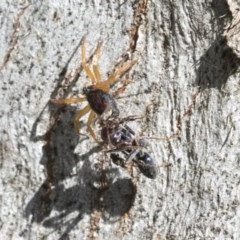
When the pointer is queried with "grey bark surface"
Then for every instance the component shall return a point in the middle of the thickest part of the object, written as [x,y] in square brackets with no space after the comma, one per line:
[57,185]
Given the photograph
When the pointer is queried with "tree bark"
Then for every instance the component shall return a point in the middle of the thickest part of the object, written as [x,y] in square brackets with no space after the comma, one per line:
[57,185]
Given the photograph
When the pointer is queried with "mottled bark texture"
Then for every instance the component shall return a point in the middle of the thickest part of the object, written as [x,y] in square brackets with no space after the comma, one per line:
[57,185]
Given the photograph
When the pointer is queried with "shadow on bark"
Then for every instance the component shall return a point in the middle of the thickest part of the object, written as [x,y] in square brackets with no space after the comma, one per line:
[216,65]
[92,188]
[219,62]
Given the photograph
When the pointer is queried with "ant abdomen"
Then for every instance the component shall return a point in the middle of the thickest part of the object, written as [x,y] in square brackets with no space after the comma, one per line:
[146,165]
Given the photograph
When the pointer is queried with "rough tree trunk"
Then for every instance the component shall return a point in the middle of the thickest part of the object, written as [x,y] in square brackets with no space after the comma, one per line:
[56,185]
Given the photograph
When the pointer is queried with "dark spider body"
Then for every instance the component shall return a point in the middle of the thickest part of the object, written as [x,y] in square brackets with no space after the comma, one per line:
[100,101]
[122,139]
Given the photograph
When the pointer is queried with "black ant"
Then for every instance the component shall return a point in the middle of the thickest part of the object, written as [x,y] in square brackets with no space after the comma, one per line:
[121,138]
[96,95]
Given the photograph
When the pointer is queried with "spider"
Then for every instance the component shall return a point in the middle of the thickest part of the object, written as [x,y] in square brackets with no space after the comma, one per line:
[97,96]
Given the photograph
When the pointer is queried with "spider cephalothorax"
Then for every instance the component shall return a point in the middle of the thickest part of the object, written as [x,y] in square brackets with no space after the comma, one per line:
[97,96]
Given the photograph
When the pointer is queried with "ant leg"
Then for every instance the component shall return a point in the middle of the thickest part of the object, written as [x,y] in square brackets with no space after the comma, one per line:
[113,77]
[89,129]
[131,118]
[78,116]
[95,61]
[67,101]
[84,65]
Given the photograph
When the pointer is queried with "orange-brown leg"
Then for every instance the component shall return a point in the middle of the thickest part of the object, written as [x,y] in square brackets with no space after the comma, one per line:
[81,113]
[84,65]
[89,129]
[95,62]
[113,77]
[67,101]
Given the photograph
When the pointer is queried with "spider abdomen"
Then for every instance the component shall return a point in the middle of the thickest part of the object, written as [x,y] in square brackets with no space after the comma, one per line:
[100,101]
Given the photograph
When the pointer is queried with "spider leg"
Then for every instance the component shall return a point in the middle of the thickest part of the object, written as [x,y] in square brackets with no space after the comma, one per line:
[81,113]
[84,65]
[67,101]
[95,61]
[89,129]
[113,77]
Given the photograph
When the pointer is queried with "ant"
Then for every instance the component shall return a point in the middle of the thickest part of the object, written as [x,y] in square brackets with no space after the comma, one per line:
[121,138]
[97,96]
